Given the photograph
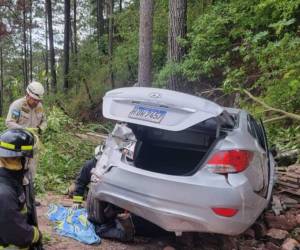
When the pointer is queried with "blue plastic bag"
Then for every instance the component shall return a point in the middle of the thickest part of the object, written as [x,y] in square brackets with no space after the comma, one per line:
[73,223]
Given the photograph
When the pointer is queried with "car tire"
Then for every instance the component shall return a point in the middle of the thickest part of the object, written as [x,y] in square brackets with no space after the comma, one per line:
[100,212]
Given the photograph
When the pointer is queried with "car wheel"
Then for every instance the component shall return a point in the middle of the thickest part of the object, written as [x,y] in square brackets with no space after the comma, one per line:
[100,212]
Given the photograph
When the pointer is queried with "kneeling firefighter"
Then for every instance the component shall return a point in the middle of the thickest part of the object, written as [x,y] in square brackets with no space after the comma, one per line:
[16,145]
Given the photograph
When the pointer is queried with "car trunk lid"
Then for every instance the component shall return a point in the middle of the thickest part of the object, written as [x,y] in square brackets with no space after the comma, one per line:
[158,108]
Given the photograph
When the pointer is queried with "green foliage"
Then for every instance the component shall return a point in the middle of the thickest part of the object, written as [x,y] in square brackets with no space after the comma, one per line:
[62,153]
[285,138]
[2,124]
[248,44]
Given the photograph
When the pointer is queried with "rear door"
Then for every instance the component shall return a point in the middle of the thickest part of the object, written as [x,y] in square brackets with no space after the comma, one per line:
[257,131]
[158,108]
[268,156]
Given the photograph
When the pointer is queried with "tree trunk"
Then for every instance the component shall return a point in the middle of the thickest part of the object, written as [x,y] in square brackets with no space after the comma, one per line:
[110,41]
[177,30]
[87,89]
[46,52]
[145,44]
[100,24]
[120,5]
[67,45]
[30,41]
[75,28]
[25,63]
[51,45]
[75,42]
[1,80]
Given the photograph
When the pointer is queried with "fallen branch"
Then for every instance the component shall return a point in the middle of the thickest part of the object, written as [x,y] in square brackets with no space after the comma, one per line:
[284,113]
[288,154]
[274,119]
[287,114]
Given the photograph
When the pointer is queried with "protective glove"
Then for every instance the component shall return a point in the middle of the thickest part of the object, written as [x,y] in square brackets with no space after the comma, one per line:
[34,131]
[76,206]
[77,201]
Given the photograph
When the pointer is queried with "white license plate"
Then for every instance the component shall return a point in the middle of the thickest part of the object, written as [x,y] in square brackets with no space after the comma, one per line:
[147,114]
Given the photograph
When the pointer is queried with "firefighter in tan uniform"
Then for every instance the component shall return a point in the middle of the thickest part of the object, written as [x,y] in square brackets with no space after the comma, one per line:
[27,112]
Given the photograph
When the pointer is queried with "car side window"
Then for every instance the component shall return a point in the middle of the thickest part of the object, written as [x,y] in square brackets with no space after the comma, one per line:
[256,131]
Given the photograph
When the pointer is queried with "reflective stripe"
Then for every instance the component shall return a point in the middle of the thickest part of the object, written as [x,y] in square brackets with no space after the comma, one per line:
[7,145]
[36,235]
[78,199]
[27,147]
[12,146]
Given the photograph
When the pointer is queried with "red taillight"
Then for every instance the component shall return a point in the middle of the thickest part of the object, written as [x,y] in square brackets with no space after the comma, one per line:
[226,212]
[231,161]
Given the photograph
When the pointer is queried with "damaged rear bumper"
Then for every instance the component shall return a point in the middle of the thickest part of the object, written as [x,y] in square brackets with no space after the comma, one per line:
[189,203]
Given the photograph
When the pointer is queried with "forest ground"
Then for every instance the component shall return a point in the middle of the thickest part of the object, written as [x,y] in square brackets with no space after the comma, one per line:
[57,242]
[270,232]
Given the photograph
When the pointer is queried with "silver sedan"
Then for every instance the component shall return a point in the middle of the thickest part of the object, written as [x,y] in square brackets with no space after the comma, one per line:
[182,162]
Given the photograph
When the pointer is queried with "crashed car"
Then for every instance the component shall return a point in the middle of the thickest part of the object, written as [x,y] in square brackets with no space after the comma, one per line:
[181,162]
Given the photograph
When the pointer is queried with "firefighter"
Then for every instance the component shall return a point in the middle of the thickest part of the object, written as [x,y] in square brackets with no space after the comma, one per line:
[83,180]
[27,112]
[15,233]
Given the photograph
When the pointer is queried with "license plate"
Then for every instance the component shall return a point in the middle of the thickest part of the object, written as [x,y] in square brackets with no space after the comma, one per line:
[147,114]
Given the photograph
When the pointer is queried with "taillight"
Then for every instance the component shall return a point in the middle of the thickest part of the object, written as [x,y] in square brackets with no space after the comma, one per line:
[226,212]
[231,161]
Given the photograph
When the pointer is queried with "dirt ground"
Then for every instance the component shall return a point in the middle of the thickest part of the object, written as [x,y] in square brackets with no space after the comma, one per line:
[54,241]
[270,232]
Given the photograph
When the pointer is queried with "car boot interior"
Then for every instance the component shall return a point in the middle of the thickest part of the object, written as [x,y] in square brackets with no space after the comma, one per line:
[174,152]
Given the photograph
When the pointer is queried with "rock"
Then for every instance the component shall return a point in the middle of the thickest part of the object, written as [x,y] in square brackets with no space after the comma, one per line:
[298,219]
[260,229]
[249,233]
[294,168]
[276,205]
[277,234]
[296,234]
[229,243]
[288,200]
[285,222]
[168,248]
[271,246]
[290,244]
[247,244]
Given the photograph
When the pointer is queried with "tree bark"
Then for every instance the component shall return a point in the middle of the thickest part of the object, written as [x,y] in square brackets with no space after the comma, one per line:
[120,5]
[46,52]
[25,63]
[145,43]
[51,45]
[67,45]
[30,41]
[75,28]
[77,83]
[1,80]
[110,42]
[100,23]
[177,30]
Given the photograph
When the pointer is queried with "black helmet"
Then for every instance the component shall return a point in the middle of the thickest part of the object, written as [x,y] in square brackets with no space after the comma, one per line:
[16,143]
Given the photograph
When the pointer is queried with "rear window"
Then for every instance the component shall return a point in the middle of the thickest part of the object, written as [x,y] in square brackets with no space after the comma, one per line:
[256,131]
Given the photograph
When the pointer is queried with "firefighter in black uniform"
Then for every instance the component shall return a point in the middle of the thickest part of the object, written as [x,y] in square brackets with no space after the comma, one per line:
[15,232]
[82,181]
